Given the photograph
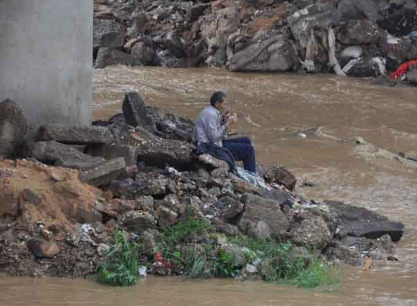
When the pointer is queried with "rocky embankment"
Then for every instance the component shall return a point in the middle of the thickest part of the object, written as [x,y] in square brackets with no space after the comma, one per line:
[63,195]
[362,38]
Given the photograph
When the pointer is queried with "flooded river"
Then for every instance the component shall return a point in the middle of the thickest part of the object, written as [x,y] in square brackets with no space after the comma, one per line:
[273,109]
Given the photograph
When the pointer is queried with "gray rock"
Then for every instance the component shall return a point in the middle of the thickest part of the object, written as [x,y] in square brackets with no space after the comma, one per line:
[275,53]
[398,17]
[108,34]
[142,54]
[364,67]
[311,232]
[107,57]
[105,173]
[262,218]
[82,135]
[411,77]
[170,126]
[373,230]
[232,209]
[138,26]
[13,128]
[166,216]
[215,29]
[225,228]
[318,16]
[62,155]
[357,32]
[137,221]
[358,221]
[357,9]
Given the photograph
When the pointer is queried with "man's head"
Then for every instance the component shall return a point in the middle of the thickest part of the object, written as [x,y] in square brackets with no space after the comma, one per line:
[218,100]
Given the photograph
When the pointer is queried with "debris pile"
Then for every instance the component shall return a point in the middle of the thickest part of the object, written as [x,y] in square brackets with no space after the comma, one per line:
[61,201]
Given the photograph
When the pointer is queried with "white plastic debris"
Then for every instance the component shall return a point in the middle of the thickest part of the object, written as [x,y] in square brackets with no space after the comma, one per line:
[351,52]
[251,269]
[302,135]
[142,271]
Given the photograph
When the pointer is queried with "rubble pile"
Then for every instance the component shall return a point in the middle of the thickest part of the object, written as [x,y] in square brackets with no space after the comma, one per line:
[66,192]
[355,38]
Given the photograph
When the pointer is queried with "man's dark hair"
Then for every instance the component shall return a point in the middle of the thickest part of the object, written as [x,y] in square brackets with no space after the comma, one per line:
[218,96]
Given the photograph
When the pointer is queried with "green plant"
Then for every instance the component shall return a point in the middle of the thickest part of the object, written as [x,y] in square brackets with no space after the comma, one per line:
[226,265]
[183,230]
[317,274]
[120,267]
[277,264]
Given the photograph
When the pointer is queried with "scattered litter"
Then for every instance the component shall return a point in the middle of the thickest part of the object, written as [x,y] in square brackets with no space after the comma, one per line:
[142,271]
[401,71]
[251,269]
[351,52]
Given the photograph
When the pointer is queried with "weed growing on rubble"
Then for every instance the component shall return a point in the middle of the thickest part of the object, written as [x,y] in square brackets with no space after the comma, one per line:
[273,259]
[120,267]
[278,266]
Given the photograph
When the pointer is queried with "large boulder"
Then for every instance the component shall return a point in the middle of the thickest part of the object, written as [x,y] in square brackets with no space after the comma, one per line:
[108,34]
[143,54]
[357,32]
[319,16]
[311,231]
[215,29]
[262,219]
[107,57]
[13,128]
[347,220]
[274,53]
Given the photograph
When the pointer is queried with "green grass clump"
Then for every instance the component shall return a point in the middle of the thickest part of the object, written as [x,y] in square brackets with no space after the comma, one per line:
[278,266]
[120,267]
[317,274]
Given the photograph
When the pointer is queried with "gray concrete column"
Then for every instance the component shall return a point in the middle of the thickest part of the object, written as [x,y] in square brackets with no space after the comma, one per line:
[46,59]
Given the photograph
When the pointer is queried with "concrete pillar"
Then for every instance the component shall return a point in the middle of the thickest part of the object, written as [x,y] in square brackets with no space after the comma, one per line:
[46,59]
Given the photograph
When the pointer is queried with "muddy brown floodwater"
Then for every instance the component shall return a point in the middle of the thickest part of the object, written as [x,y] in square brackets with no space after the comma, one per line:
[273,109]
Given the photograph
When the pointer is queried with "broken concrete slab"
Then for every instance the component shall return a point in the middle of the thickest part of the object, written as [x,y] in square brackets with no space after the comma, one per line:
[58,154]
[75,134]
[105,173]
[114,150]
[373,230]
[134,110]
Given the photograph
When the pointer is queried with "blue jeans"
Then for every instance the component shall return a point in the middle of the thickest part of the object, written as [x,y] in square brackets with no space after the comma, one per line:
[242,150]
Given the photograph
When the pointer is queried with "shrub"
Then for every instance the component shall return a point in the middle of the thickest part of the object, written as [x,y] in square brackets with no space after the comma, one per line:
[120,267]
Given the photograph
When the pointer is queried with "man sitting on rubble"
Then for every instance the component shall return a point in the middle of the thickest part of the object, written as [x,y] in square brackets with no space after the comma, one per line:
[211,130]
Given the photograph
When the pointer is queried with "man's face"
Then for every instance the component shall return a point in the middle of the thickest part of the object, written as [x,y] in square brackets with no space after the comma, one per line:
[222,107]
